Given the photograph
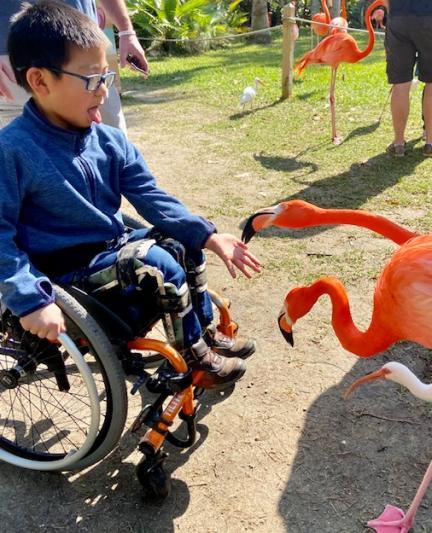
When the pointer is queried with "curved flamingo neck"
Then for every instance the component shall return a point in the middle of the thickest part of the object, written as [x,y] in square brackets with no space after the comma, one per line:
[300,214]
[364,344]
[326,11]
[419,389]
[368,21]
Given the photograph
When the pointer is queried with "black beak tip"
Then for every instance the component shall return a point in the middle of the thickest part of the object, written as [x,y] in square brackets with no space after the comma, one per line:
[288,336]
[248,230]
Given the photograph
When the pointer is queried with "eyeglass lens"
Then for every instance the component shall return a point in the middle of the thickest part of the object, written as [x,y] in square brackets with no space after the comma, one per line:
[94,82]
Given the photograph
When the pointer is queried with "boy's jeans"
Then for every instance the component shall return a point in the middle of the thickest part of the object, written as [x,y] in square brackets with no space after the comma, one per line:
[180,268]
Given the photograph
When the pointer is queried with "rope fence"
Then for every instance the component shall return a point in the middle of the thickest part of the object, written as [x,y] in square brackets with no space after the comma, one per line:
[289,36]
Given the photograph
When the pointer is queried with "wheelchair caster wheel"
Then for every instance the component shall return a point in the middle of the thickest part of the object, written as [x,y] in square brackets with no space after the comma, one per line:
[155,482]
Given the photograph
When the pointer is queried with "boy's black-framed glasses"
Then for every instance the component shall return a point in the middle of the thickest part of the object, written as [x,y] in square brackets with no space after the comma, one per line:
[93,82]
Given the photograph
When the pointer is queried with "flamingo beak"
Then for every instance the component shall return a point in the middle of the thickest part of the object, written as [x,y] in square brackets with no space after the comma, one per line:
[382,373]
[261,82]
[285,328]
[257,222]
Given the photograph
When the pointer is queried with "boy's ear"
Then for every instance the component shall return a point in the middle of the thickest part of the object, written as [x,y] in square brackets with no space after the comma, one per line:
[37,79]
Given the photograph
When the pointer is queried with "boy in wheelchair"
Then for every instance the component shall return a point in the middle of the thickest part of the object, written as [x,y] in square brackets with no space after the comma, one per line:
[62,176]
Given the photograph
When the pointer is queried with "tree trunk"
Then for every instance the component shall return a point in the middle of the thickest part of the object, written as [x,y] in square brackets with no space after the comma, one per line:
[335,9]
[260,21]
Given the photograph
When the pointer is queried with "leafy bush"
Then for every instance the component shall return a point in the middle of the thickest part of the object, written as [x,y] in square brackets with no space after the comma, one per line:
[162,20]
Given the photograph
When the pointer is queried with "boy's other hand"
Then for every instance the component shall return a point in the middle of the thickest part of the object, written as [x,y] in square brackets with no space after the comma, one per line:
[46,322]
[234,253]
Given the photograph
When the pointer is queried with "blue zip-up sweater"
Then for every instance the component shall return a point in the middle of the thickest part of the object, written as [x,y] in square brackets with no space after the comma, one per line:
[61,188]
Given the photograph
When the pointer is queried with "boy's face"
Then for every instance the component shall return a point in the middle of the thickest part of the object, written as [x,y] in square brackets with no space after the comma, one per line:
[66,102]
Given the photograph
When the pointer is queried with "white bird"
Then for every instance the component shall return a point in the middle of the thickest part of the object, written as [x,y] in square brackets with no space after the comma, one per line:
[393,517]
[249,93]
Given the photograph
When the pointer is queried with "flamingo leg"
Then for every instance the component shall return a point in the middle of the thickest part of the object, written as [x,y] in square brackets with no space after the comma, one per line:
[332,98]
[386,522]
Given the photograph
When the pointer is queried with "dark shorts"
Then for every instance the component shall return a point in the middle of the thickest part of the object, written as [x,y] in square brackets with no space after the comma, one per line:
[408,39]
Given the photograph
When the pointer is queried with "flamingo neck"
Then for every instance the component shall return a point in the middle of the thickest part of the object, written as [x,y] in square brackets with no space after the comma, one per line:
[326,11]
[343,10]
[368,21]
[420,390]
[300,214]
[364,344]
[377,223]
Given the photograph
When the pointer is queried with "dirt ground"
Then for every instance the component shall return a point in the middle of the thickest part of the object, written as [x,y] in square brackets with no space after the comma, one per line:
[282,452]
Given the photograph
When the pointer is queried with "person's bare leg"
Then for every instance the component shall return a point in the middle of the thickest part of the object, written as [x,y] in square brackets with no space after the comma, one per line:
[400,104]
[427,112]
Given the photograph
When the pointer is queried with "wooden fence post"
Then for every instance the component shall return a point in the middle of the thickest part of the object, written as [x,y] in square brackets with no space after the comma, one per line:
[288,23]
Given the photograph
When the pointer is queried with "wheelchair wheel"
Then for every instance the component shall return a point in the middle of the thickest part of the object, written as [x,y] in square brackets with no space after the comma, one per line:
[46,412]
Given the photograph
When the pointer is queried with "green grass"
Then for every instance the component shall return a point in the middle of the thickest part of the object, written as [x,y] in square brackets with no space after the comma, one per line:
[284,147]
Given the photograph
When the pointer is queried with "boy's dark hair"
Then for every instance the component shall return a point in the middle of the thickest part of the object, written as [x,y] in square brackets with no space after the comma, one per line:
[42,35]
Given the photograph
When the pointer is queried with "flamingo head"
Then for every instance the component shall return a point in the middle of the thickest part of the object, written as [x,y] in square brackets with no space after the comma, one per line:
[390,370]
[338,24]
[296,305]
[258,81]
[291,214]
[317,20]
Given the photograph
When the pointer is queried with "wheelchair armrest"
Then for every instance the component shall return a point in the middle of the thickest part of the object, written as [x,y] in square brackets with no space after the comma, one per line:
[134,221]
[113,326]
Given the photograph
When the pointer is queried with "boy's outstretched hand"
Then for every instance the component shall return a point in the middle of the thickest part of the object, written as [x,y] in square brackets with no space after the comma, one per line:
[234,253]
[46,322]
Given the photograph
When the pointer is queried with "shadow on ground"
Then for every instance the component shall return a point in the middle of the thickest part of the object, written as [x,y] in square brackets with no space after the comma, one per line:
[354,186]
[108,492]
[358,455]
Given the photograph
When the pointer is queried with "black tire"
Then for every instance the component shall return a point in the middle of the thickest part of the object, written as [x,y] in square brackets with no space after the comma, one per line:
[52,422]
[156,483]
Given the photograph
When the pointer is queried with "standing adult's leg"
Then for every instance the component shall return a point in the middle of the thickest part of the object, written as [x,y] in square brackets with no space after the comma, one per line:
[401,54]
[400,106]
[427,114]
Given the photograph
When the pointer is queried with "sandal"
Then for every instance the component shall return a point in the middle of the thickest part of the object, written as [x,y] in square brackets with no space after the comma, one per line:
[427,150]
[398,150]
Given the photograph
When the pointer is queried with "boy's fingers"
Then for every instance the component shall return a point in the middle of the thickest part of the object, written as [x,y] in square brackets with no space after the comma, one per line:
[242,269]
[253,258]
[230,268]
[251,264]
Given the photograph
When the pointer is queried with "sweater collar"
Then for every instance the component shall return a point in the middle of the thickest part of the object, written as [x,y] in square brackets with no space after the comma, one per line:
[77,140]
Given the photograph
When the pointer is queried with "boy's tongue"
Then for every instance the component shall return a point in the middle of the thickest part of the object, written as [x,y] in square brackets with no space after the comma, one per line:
[95,114]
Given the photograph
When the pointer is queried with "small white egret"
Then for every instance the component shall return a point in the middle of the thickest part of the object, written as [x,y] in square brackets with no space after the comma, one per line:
[249,93]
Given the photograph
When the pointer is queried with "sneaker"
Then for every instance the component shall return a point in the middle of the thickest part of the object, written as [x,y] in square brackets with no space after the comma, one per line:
[398,150]
[427,150]
[219,371]
[227,346]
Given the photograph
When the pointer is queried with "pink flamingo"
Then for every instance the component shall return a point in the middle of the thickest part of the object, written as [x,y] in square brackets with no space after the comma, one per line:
[339,47]
[393,519]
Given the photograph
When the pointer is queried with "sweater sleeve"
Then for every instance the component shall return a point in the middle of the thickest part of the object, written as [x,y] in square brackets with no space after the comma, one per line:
[22,288]
[162,210]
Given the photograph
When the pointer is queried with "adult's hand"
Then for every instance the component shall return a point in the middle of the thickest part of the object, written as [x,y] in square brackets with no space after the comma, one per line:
[378,16]
[129,45]
[6,75]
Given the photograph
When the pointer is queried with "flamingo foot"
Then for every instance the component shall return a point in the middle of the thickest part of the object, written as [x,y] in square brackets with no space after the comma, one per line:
[391,520]
[337,140]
